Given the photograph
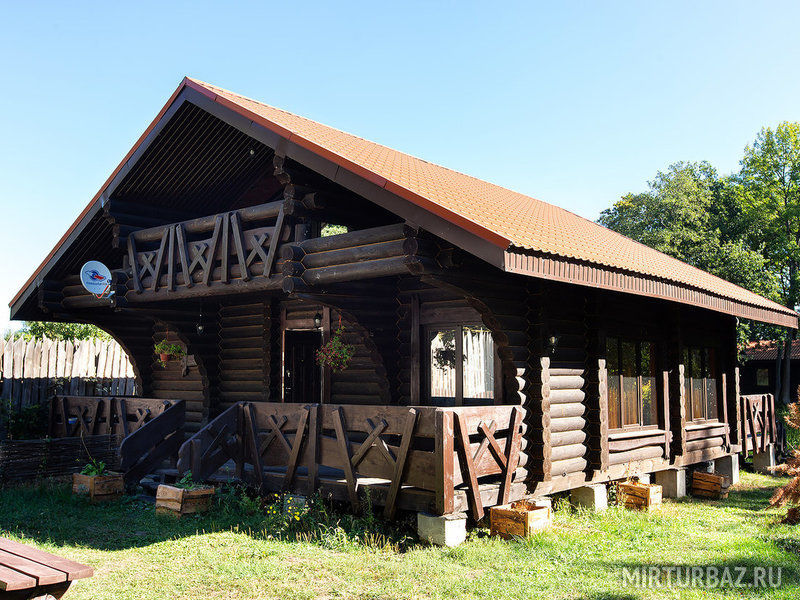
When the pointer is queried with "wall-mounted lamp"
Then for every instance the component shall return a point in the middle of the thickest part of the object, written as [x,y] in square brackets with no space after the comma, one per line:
[317,320]
[200,327]
[553,343]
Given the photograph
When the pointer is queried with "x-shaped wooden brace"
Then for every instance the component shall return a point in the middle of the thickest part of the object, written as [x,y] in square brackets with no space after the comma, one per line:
[226,441]
[141,414]
[198,256]
[490,442]
[146,262]
[276,432]
[374,439]
[257,250]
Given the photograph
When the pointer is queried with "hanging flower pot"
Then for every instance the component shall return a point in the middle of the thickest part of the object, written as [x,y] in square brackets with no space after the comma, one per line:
[335,353]
[166,351]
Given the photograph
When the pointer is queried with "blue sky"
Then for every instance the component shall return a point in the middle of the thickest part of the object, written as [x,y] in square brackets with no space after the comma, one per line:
[575,103]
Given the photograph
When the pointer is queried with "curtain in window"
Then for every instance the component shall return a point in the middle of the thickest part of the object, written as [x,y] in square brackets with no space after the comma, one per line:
[478,349]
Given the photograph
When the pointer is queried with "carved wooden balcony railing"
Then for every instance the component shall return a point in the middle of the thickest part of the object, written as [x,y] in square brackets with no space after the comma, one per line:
[232,249]
[441,460]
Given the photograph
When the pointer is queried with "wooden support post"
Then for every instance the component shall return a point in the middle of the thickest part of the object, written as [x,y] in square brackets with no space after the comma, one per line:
[665,412]
[444,452]
[725,412]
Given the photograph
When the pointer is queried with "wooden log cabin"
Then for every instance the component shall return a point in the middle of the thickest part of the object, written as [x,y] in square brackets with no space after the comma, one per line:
[503,347]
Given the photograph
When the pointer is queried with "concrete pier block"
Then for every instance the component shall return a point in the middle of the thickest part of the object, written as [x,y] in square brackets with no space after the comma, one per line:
[762,461]
[672,482]
[593,496]
[442,530]
[729,467]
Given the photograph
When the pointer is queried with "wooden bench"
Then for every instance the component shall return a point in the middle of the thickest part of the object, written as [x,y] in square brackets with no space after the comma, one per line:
[30,574]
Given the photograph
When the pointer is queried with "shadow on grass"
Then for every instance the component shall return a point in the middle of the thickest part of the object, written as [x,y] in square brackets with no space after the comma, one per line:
[50,513]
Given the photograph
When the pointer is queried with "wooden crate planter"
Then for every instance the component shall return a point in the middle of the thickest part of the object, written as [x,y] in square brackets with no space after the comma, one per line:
[99,488]
[179,501]
[519,519]
[639,496]
[710,485]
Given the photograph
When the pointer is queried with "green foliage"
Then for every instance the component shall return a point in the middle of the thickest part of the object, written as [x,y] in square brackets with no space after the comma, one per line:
[693,215]
[174,350]
[187,482]
[769,192]
[59,331]
[94,468]
[707,221]
[329,229]
[335,352]
[26,423]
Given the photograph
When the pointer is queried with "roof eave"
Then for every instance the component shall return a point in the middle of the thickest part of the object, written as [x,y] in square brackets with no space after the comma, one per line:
[566,270]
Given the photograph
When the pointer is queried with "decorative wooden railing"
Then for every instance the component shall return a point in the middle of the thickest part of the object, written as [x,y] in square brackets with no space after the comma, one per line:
[236,248]
[759,427]
[151,429]
[433,453]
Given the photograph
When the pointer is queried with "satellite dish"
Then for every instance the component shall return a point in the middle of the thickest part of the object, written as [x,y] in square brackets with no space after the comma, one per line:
[96,278]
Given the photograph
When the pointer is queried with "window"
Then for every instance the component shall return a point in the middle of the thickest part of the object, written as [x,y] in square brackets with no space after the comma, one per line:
[460,365]
[762,378]
[700,380]
[631,369]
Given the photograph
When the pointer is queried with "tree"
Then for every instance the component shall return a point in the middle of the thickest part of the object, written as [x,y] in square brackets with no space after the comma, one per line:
[770,195]
[689,212]
[61,331]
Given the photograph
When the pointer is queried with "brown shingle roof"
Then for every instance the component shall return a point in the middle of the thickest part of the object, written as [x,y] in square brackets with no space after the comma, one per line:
[507,220]
[501,216]
[767,350]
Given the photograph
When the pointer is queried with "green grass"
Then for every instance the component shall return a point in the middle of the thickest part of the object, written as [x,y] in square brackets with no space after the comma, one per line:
[228,554]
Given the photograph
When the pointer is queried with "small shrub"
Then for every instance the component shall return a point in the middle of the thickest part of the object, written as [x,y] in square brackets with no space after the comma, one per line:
[94,468]
[187,482]
[26,423]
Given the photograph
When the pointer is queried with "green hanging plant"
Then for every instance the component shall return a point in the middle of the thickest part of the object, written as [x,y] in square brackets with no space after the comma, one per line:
[335,353]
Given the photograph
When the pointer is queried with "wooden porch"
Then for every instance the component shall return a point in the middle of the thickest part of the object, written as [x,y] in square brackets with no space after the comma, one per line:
[438,460]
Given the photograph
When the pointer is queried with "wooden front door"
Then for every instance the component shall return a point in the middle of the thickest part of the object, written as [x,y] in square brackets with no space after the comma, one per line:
[302,375]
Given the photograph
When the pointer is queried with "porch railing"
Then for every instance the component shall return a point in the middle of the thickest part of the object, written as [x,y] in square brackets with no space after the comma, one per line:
[425,455]
[150,429]
[759,424]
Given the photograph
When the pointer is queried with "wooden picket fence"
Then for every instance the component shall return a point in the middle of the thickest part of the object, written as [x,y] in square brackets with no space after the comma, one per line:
[31,371]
